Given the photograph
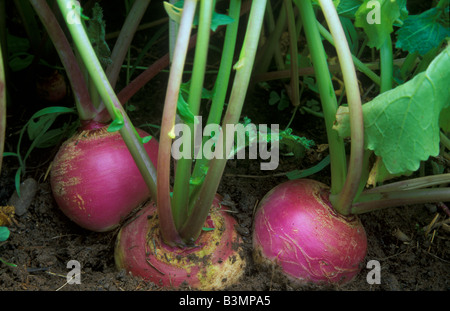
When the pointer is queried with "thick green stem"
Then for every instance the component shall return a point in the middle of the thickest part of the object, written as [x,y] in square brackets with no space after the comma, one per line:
[121,48]
[414,183]
[192,227]
[124,40]
[2,108]
[369,202]
[270,47]
[173,31]
[404,192]
[98,76]
[3,30]
[180,200]
[386,65]
[30,24]
[343,200]
[295,81]
[220,92]
[408,65]
[222,82]
[445,141]
[85,108]
[126,93]
[327,95]
[168,229]
[359,64]
[426,60]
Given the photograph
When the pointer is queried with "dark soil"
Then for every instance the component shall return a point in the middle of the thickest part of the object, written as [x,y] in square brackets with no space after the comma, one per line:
[43,240]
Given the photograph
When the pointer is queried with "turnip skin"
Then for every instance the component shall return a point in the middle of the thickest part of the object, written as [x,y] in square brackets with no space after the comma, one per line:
[94,179]
[51,86]
[297,231]
[214,263]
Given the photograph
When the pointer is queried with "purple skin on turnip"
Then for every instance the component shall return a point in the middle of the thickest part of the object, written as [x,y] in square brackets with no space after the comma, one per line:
[95,180]
[212,263]
[297,232]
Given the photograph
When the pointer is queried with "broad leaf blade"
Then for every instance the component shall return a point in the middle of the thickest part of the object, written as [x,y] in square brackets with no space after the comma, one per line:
[35,128]
[424,32]
[377,19]
[402,125]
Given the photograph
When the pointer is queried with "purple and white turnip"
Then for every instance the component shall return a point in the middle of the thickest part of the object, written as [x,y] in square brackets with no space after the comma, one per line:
[297,230]
[94,179]
[303,228]
[310,233]
[212,263]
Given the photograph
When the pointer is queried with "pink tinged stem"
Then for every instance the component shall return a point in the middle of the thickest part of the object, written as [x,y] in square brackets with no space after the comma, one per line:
[2,108]
[168,231]
[368,202]
[85,108]
[342,201]
[127,92]
[121,47]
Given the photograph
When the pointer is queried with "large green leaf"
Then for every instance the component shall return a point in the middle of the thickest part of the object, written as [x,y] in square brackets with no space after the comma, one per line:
[377,19]
[424,32]
[402,125]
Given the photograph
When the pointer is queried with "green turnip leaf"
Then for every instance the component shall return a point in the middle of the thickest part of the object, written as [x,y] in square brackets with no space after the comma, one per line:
[115,125]
[175,10]
[377,19]
[421,33]
[219,20]
[36,128]
[184,111]
[183,108]
[146,139]
[290,143]
[402,125]
[348,8]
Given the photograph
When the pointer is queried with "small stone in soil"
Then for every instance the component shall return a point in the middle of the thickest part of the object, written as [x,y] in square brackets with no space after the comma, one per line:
[28,190]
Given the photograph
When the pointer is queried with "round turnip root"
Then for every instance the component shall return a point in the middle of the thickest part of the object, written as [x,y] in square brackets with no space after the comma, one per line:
[51,85]
[95,180]
[297,231]
[212,264]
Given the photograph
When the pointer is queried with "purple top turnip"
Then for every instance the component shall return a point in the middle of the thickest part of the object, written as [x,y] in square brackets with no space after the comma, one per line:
[213,263]
[95,181]
[296,228]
